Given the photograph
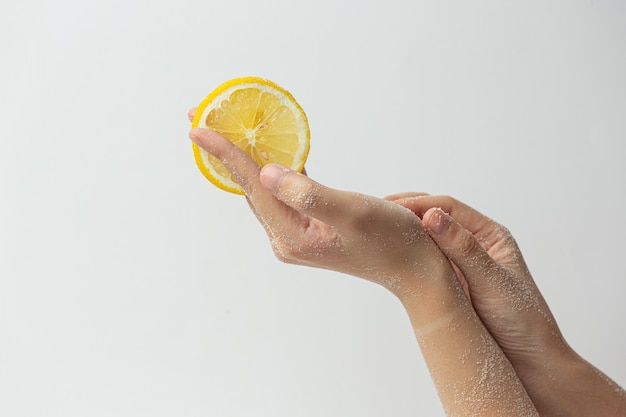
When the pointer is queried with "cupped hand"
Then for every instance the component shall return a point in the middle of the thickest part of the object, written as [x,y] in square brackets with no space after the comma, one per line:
[511,307]
[499,283]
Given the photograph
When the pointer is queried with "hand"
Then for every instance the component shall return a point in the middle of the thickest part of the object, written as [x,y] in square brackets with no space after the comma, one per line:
[318,226]
[512,308]
[500,285]
[310,224]
[375,239]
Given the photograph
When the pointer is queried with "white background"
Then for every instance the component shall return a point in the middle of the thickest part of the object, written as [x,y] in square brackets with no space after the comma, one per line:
[130,286]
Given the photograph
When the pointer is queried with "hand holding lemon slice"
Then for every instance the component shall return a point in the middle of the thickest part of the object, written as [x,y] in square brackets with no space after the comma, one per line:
[261,118]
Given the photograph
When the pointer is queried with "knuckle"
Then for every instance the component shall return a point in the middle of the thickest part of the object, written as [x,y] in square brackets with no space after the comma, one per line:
[506,235]
[364,214]
[467,243]
[305,196]
[280,254]
[288,251]
[282,251]
[448,201]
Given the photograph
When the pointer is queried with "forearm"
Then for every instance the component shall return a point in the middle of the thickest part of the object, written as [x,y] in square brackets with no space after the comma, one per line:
[472,375]
[564,384]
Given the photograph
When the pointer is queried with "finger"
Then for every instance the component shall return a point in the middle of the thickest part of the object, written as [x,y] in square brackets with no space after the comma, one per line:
[273,214]
[307,196]
[245,171]
[461,247]
[482,227]
[191,113]
[400,196]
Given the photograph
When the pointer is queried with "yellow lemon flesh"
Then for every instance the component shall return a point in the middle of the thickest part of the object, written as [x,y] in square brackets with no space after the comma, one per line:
[259,117]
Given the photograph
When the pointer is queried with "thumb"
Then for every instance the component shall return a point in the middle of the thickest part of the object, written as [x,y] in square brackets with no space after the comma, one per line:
[461,246]
[303,194]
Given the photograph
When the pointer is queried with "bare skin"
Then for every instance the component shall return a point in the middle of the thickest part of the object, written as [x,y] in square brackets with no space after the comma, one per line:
[505,296]
[378,240]
[460,276]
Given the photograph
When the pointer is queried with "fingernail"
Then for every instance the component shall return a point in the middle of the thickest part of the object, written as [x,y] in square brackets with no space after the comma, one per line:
[440,222]
[272,175]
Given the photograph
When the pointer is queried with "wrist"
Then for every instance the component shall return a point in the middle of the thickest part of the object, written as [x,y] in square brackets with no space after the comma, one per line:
[431,299]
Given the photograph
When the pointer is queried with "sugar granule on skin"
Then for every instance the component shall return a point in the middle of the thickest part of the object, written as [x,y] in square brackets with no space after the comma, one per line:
[411,236]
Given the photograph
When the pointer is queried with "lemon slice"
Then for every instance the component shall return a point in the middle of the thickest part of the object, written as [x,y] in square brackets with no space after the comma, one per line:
[261,118]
